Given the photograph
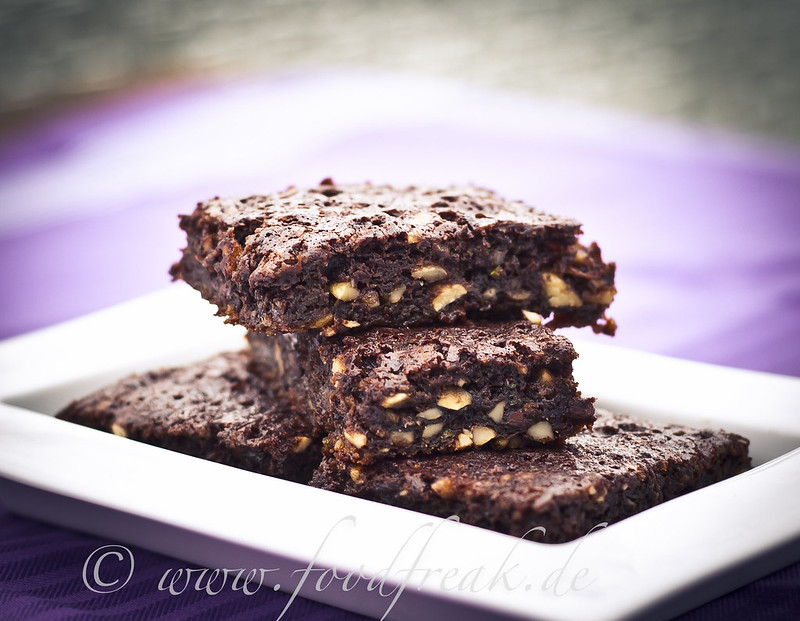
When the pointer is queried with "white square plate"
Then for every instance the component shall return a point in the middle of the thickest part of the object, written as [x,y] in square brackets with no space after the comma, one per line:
[373,558]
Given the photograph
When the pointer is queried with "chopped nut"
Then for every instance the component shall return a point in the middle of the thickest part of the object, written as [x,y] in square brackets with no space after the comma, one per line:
[356,438]
[580,256]
[498,256]
[464,439]
[454,398]
[413,238]
[396,294]
[496,271]
[429,273]
[604,297]
[322,322]
[403,492]
[496,413]
[344,291]
[591,489]
[559,293]
[444,488]
[481,435]
[337,446]
[461,382]
[118,430]
[401,438]
[501,443]
[430,414]
[519,296]
[355,473]
[541,431]
[545,378]
[338,366]
[534,318]
[371,299]
[303,442]
[491,292]
[448,294]
[349,323]
[279,359]
[423,217]
[395,400]
[432,430]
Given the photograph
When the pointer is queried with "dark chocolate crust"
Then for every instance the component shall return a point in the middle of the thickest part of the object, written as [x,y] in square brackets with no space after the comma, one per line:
[214,409]
[622,467]
[342,257]
[391,392]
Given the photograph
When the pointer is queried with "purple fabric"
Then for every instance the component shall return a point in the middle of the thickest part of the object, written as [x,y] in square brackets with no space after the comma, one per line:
[41,569]
[703,226]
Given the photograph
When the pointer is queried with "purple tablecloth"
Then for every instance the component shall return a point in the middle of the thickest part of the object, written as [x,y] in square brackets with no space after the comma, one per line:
[703,225]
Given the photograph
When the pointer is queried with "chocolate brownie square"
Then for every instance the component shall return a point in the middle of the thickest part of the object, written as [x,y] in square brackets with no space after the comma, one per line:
[342,257]
[214,409]
[390,391]
[621,467]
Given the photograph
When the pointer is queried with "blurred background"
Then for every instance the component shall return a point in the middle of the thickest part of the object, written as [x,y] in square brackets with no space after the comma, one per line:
[727,63]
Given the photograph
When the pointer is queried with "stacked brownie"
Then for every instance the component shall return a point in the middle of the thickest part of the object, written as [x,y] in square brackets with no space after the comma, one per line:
[401,345]
[390,393]
[408,320]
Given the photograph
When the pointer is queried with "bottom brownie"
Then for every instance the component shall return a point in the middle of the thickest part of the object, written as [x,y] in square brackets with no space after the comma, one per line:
[214,409]
[622,467]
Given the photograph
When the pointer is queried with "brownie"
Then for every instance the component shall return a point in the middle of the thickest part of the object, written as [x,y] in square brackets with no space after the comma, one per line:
[622,467]
[214,409]
[390,391]
[342,257]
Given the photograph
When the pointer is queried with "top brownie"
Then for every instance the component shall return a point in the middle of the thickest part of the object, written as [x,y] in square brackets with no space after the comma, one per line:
[342,257]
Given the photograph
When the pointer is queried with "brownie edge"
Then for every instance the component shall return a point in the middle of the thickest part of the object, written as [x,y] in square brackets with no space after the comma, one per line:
[214,409]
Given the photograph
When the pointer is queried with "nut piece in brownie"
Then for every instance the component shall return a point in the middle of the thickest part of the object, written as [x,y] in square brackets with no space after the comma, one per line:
[390,391]
[622,467]
[214,409]
[338,257]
